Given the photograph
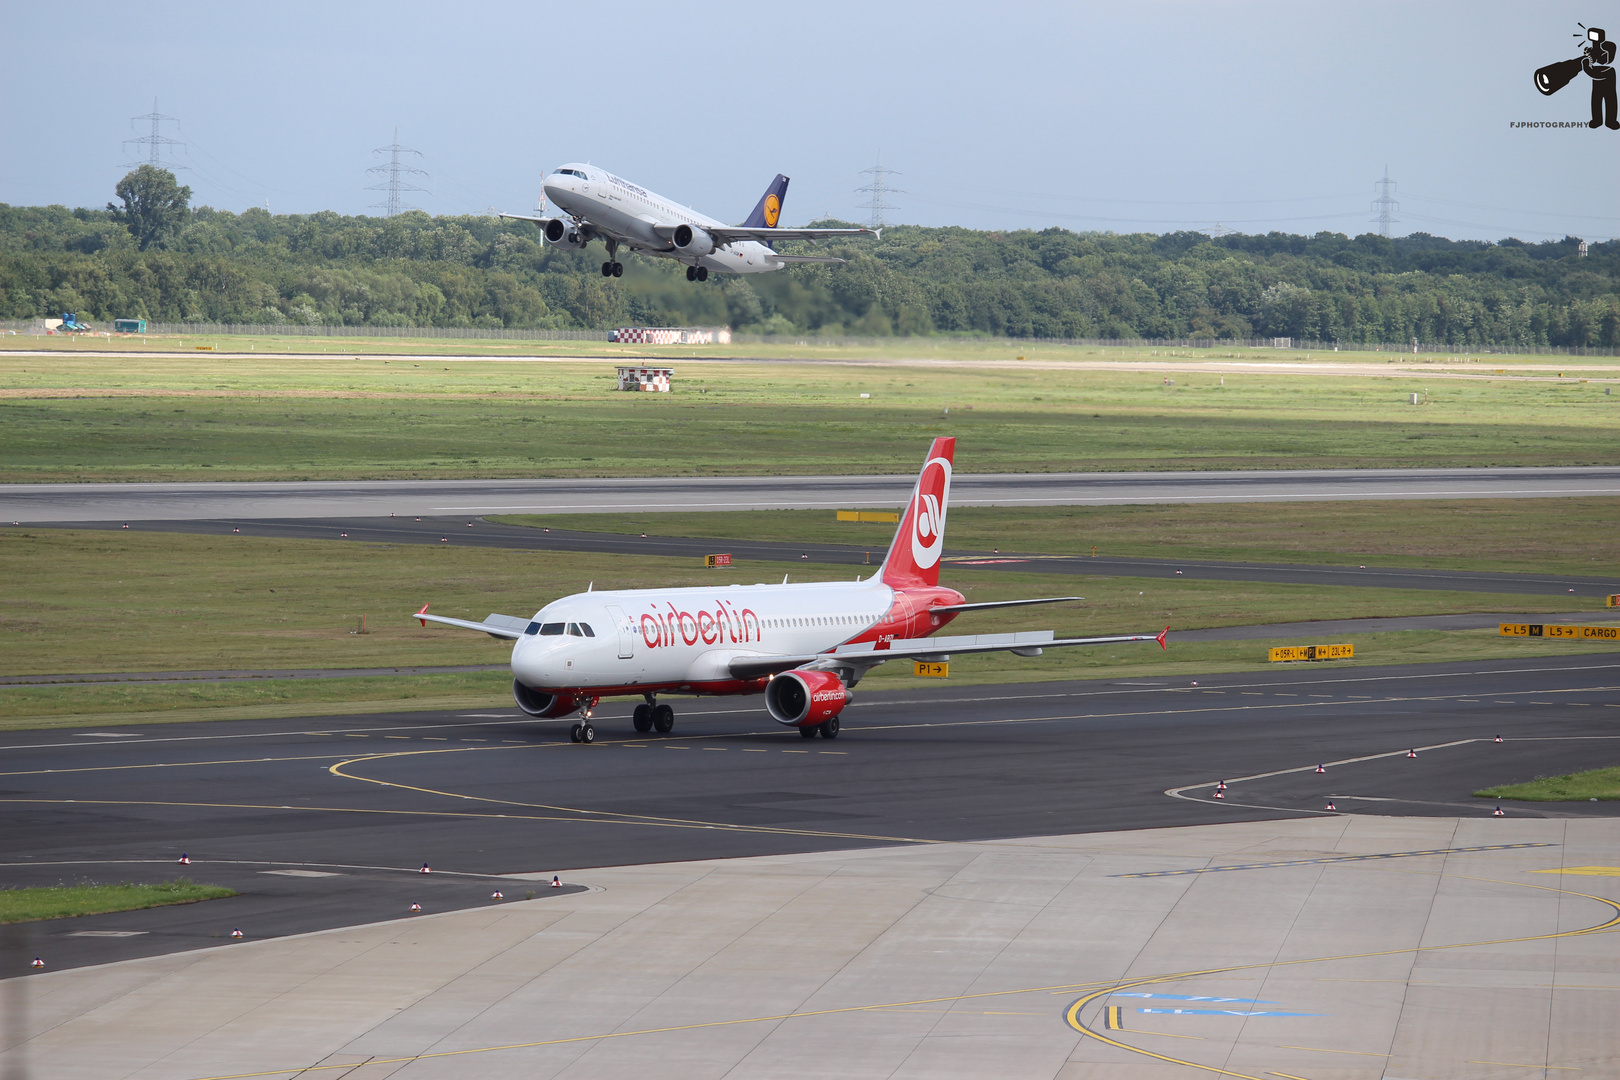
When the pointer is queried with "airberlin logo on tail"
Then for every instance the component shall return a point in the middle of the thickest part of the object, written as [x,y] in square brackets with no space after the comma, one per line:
[928,512]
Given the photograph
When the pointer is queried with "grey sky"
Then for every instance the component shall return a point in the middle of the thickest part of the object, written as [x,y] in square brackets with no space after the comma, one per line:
[1118,116]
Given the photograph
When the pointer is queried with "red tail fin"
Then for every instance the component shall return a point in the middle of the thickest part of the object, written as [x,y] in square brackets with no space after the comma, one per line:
[913,558]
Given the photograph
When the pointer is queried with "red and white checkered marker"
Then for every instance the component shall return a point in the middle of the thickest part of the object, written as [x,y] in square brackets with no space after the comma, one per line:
[237,933]
[1411,753]
[37,961]
[185,860]
[1498,812]
[1321,768]
[556,882]
[496,895]
[426,869]
[416,907]
[1330,805]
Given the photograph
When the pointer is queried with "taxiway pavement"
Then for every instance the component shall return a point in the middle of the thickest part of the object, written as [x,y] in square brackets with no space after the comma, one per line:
[379,498]
[358,804]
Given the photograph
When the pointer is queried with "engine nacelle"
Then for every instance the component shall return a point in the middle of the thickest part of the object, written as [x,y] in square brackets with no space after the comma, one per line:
[560,233]
[541,704]
[691,240]
[803,698]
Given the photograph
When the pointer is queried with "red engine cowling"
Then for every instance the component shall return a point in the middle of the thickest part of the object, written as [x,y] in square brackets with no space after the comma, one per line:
[802,698]
[541,704]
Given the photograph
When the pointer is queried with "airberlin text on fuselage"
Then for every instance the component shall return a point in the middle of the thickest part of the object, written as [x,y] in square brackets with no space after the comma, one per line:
[723,623]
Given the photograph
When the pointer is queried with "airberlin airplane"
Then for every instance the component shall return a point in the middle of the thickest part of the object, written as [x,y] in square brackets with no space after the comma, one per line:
[803,646]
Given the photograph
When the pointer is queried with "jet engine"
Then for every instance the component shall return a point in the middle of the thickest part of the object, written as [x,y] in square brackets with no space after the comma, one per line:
[541,704]
[804,698]
[562,234]
[691,240]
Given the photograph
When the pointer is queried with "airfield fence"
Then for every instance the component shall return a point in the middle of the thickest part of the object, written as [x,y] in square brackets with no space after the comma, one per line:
[452,333]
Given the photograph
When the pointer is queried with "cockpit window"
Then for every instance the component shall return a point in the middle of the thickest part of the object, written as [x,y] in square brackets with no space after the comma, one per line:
[571,172]
[585,626]
[551,629]
[532,629]
[574,630]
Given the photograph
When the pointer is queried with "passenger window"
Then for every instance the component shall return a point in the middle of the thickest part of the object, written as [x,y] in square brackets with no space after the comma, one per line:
[551,629]
[532,629]
[585,626]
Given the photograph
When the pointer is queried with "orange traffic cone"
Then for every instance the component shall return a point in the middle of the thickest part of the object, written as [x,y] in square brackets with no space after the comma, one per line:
[556,882]
[1498,812]
[237,933]
[37,961]
[416,907]
[1321,768]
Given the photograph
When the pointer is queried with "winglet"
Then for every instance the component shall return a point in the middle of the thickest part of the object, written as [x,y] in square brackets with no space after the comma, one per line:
[1162,634]
[425,607]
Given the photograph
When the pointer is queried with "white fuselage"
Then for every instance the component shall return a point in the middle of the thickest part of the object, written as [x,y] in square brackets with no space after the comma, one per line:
[684,639]
[631,213]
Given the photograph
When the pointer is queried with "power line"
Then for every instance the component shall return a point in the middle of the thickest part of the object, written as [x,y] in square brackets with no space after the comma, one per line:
[879,190]
[1385,204]
[154,143]
[396,184]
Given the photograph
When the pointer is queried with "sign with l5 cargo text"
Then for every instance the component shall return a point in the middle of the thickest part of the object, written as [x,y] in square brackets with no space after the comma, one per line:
[1547,630]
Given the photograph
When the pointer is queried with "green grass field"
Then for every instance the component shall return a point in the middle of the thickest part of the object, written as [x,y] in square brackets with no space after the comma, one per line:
[1601,784]
[67,901]
[81,417]
[1472,534]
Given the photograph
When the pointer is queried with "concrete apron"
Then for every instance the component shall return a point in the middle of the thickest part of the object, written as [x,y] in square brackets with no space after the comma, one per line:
[1042,957]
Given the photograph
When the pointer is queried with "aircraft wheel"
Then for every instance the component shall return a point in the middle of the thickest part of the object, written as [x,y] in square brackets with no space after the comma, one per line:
[691,273]
[607,269]
[829,730]
[642,718]
[808,731]
[573,733]
[587,733]
[663,719]
[618,269]
[703,273]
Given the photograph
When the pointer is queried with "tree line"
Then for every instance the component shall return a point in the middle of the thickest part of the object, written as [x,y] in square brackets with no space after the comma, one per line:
[152,255]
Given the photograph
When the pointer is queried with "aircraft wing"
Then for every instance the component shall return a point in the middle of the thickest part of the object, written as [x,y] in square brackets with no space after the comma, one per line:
[867,653]
[525,217]
[495,625]
[992,604]
[806,258]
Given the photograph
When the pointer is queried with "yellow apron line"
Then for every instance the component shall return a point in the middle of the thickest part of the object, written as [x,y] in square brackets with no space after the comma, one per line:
[299,1071]
[168,765]
[603,816]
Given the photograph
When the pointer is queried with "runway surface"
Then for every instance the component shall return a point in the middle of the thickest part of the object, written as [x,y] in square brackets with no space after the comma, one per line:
[356,805]
[379,498]
[476,532]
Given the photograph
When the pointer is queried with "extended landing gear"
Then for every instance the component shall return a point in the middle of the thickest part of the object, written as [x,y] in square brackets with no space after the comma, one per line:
[827,730]
[653,717]
[663,719]
[697,273]
[613,269]
[584,732]
[642,718]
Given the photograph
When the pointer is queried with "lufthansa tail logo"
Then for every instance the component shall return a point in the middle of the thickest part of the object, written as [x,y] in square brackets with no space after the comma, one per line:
[773,210]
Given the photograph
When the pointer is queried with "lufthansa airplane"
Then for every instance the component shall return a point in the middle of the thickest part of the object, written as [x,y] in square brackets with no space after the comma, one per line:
[802,646]
[596,205]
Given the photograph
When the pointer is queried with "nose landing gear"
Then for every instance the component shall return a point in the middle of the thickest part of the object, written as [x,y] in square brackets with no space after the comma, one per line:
[585,731]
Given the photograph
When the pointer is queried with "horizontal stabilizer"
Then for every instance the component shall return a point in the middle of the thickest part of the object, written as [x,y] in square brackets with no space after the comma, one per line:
[992,604]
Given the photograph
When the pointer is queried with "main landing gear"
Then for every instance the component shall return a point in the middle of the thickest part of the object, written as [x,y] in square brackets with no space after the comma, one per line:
[697,273]
[613,267]
[653,717]
[827,729]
